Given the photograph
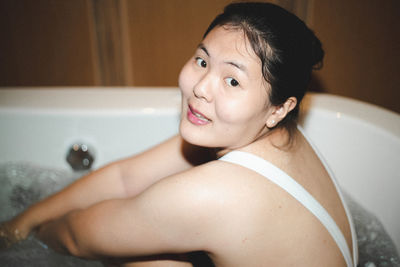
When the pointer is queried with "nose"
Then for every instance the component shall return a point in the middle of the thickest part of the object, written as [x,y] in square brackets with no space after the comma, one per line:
[203,89]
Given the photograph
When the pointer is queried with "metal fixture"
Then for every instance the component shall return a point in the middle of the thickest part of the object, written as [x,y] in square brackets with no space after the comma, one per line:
[79,157]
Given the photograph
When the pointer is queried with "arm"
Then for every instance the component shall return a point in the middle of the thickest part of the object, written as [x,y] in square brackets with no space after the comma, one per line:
[175,215]
[122,179]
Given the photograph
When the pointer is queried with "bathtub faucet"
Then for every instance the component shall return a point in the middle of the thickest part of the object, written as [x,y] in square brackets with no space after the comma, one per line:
[79,157]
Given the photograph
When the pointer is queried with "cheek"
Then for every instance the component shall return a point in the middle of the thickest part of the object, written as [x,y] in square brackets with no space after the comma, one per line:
[241,112]
[184,80]
[231,112]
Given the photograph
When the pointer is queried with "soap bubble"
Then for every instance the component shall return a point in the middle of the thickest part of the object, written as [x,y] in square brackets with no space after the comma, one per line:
[23,184]
[375,247]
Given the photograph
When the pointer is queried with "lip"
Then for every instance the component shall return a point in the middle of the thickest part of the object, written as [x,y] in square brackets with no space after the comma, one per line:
[196,117]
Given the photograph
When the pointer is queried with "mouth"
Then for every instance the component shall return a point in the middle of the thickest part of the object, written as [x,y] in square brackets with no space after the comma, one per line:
[196,117]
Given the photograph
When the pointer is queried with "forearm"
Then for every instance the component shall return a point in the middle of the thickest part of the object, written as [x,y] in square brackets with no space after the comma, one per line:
[78,233]
[97,186]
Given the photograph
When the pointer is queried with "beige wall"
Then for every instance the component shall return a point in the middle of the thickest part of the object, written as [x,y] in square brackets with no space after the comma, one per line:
[46,42]
[145,43]
[362,44]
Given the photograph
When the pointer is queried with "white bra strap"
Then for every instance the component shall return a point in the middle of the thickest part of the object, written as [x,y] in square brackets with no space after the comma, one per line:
[280,178]
[340,193]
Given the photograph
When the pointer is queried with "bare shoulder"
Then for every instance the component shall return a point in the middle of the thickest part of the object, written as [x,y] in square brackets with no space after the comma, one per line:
[219,177]
[219,202]
[220,189]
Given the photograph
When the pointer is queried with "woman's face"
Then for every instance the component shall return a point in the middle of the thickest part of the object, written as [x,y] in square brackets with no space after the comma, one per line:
[224,96]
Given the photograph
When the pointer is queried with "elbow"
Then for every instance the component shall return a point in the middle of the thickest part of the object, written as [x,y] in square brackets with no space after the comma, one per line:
[76,250]
[89,233]
[73,249]
[76,241]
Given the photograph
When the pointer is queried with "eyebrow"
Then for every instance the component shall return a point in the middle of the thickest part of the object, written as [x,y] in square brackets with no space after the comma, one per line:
[232,63]
[237,65]
[202,47]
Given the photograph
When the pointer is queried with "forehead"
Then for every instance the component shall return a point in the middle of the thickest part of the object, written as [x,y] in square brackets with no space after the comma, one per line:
[229,41]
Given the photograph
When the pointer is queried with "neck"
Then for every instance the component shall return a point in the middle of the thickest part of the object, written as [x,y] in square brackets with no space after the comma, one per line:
[278,138]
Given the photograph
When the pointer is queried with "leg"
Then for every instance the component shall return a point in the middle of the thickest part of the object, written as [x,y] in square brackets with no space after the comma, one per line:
[193,259]
[168,260]
[159,263]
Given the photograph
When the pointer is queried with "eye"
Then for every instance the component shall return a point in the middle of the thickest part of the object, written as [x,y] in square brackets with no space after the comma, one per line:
[232,82]
[201,62]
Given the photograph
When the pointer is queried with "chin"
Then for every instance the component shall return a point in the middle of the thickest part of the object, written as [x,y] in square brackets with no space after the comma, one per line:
[189,135]
[194,136]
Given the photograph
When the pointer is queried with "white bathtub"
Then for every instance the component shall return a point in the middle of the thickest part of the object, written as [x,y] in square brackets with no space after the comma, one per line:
[361,142]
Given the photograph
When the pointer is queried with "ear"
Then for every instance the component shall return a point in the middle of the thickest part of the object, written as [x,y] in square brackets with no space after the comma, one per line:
[280,112]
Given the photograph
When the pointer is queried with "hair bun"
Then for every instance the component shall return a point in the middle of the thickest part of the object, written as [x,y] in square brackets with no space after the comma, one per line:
[317,53]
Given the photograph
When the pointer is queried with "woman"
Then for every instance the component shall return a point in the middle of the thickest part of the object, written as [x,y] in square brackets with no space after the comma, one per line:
[240,182]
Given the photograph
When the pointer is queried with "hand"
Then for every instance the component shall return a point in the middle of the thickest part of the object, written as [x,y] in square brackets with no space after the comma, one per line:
[9,235]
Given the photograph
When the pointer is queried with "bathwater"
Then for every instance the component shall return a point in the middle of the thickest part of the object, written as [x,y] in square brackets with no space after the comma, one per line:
[375,247]
[22,184]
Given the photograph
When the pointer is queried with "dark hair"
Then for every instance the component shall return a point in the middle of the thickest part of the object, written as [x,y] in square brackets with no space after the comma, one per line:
[287,48]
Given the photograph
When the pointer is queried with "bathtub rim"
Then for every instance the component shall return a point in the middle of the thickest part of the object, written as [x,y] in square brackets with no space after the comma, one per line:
[91,101]
[98,98]
[345,107]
